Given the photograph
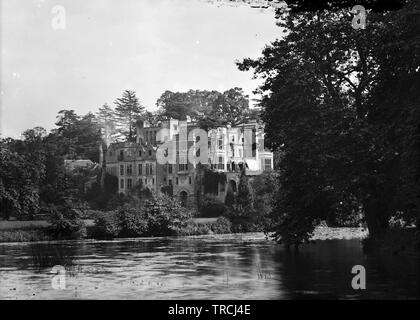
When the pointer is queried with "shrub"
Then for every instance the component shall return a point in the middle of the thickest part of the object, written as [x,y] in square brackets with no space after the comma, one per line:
[131,222]
[195,229]
[66,222]
[24,235]
[221,226]
[165,216]
[212,207]
[244,225]
[106,225]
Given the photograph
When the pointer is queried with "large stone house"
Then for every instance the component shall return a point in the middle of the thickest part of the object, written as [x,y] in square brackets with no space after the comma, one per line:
[229,150]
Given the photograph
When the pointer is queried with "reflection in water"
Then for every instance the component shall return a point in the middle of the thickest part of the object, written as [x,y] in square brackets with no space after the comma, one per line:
[219,267]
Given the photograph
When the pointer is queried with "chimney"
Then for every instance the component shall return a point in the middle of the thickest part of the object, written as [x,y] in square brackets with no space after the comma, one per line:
[139,131]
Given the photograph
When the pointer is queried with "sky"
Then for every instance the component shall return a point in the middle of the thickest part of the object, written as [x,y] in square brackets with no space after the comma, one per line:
[104,47]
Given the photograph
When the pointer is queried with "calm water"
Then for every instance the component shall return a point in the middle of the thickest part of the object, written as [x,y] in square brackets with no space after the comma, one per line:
[220,267]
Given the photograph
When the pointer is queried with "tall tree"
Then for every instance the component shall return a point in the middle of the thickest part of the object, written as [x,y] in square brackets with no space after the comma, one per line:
[127,111]
[106,118]
[319,92]
[209,108]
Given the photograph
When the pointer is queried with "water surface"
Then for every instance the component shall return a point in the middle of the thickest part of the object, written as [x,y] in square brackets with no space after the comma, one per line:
[218,267]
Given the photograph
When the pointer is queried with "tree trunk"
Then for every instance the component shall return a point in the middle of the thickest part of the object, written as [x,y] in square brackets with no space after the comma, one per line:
[376,215]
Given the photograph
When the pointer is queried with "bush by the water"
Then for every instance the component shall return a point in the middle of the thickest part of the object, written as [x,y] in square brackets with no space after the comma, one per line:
[66,222]
[131,222]
[106,225]
[165,215]
[161,215]
[221,226]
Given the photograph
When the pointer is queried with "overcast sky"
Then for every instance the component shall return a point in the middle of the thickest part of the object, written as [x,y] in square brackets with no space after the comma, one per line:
[109,46]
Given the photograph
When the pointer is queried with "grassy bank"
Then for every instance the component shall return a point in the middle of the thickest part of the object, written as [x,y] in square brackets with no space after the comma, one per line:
[25,235]
[34,234]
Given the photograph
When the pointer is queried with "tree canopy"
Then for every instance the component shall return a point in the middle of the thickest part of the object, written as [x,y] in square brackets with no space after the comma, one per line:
[340,105]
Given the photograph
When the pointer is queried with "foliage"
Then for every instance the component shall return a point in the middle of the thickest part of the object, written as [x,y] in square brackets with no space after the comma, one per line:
[212,180]
[77,137]
[106,225]
[165,215]
[19,178]
[264,189]
[221,226]
[230,198]
[127,110]
[210,109]
[131,222]
[331,101]
[24,235]
[244,201]
[211,207]
[66,222]
[100,198]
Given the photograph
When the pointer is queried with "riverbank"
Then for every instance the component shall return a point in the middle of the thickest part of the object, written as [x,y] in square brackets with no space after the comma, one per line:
[320,233]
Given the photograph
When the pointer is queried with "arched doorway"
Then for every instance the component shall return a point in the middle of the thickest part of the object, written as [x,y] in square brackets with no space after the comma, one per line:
[183,197]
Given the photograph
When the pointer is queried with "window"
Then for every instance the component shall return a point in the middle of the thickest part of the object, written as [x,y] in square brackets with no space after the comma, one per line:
[110,153]
[221,165]
[153,181]
[140,153]
[169,168]
[170,182]
[121,183]
[150,152]
[177,181]
[129,169]
[189,180]
[220,143]
[121,153]
[147,169]
[267,164]
[151,168]
[140,169]
[183,167]
[129,183]
[145,182]
[121,170]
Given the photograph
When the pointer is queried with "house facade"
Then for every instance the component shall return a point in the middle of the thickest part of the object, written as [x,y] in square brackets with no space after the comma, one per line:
[229,150]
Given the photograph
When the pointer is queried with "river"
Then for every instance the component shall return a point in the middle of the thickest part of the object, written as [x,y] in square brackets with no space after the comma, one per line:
[246,266]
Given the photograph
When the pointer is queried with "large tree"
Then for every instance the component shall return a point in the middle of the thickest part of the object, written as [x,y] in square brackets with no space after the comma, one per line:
[209,108]
[320,101]
[127,111]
